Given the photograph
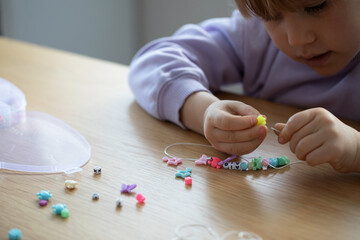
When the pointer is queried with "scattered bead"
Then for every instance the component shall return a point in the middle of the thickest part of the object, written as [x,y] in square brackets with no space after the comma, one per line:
[261,120]
[125,188]
[172,161]
[70,184]
[43,203]
[15,234]
[188,180]
[58,208]
[119,202]
[183,174]
[44,195]
[65,213]
[95,196]
[202,160]
[97,170]
[140,198]
[214,162]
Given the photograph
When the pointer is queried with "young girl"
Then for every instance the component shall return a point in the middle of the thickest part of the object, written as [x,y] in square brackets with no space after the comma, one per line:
[299,52]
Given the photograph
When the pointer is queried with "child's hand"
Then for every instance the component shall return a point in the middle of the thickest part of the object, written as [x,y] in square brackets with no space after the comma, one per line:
[230,126]
[317,136]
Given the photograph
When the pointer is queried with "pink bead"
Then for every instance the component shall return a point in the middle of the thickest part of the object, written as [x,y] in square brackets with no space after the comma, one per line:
[42,203]
[140,198]
[214,162]
[188,180]
[202,160]
[265,162]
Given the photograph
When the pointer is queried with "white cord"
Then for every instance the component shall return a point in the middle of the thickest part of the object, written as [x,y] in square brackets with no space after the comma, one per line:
[191,144]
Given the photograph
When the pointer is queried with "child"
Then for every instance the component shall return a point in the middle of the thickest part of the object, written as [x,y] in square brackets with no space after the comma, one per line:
[299,52]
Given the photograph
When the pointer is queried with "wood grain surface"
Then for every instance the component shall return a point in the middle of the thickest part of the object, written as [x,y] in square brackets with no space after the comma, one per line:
[92,96]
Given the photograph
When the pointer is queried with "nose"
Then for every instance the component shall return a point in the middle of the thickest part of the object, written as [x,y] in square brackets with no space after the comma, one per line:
[299,31]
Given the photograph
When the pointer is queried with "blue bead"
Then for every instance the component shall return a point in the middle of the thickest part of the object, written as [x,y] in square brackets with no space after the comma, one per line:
[15,234]
[243,166]
[273,162]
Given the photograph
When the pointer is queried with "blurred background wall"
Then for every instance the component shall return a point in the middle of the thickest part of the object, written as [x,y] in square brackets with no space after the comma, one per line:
[108,29]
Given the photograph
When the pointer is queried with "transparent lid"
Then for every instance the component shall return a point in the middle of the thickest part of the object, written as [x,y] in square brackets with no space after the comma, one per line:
[34,141]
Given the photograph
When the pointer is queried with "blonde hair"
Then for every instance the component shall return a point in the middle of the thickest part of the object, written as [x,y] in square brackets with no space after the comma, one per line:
[266,9]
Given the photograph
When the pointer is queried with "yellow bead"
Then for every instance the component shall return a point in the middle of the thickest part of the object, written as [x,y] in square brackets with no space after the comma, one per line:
[261,120]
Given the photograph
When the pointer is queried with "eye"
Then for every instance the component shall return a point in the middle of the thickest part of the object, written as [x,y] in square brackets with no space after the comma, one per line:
[317,8]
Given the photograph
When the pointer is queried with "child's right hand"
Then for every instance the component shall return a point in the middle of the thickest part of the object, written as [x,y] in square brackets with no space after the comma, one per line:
[230,126]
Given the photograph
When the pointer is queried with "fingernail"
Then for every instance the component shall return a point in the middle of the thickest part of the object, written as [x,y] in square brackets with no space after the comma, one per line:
[281,140]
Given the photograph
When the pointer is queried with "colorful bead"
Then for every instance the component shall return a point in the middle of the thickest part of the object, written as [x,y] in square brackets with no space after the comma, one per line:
[183,174]
[273,162]
[140,198]
[283,161]
[172,161]
[257,165]
[265,162]
[119,202]
[58,208]
[127,188]
[65,213]
[43,202]
[202,160]
[188,180]
[232,157]
[214,162]
[244,166]
[95,196]
[250,165]
[70,184]
[15,234]
[44,195]
[97,170]
[261,120]
[232,165]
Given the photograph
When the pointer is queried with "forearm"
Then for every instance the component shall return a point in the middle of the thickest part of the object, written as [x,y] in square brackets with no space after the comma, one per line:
[192,112]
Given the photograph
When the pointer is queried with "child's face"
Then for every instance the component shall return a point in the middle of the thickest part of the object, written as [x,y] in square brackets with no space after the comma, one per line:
[323,34]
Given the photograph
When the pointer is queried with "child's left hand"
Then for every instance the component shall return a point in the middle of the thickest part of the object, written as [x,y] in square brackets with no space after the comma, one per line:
[317,136]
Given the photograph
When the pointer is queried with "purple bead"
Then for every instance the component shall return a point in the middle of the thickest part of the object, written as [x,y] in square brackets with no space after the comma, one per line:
[42,203]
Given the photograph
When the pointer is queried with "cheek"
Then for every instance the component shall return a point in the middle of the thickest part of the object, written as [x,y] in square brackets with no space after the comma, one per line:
[279,38]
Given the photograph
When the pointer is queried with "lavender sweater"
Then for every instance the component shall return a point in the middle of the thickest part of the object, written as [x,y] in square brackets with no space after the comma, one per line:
[222,51]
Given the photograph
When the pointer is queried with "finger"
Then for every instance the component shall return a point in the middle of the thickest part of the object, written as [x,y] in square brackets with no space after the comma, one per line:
[310,129]
[278,127]
[229,122]
[239,148]
[295,123]
[306,145]
[240,136]
[239,108]
[316,156]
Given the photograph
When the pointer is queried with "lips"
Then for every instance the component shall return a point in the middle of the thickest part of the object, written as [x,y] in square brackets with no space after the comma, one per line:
[316,60]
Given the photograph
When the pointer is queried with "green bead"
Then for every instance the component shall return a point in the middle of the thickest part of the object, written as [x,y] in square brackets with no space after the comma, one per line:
[65,213]
[257,163]
[283,161]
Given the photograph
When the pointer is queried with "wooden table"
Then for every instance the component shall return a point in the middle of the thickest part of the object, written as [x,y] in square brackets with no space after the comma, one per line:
[298,202]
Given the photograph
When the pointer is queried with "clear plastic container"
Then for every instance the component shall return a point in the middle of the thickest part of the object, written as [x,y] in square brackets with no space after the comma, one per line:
[34,141]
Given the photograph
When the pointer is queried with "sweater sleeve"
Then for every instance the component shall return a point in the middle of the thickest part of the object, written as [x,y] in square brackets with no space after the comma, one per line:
[200,57]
